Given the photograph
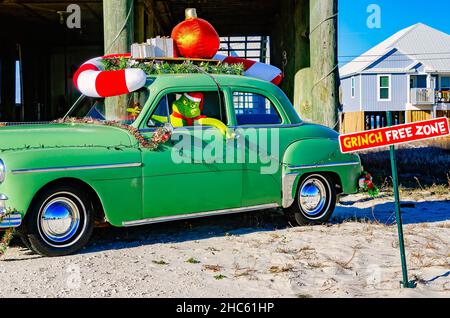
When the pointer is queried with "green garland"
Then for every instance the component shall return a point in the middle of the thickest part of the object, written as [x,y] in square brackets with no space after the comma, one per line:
[158,68]
[159,137]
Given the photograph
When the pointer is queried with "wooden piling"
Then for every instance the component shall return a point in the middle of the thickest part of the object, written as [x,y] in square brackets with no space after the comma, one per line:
[324,67]
[118,24]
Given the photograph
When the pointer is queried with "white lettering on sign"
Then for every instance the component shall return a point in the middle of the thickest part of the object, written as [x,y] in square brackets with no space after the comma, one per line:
[399,134]
[428,130]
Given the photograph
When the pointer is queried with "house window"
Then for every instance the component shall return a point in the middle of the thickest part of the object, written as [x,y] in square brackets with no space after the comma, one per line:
[353,87]
[445,83]
[384,87]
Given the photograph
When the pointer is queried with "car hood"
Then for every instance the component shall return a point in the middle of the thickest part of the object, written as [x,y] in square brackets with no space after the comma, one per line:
[62,135]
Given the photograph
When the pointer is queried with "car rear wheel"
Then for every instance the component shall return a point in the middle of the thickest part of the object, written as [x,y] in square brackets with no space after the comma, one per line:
[315,201]
[60,221]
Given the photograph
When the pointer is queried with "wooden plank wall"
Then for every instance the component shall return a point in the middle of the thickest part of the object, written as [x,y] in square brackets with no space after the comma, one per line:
[352,122]
[417,115]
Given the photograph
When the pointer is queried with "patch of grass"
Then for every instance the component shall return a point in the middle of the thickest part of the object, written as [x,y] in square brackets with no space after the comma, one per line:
[213,268]
[247,272]
[315,265]
[281,269]
[161,262]
[193,261]
[6,240]
[219,277]
[283,250]
[344,264]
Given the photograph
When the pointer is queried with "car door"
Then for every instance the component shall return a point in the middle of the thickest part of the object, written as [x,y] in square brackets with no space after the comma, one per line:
[178,179]
[261,125]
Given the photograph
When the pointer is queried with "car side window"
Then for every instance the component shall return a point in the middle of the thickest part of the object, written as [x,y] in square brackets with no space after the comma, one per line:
[211,107]
[255,109]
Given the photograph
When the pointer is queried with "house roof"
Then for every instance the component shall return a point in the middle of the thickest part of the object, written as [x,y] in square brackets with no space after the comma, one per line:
[419,42]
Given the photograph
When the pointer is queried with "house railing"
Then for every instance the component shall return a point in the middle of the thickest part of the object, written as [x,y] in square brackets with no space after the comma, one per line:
[422,96]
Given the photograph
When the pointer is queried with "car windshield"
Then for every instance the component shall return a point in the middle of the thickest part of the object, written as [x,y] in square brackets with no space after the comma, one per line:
[124,108]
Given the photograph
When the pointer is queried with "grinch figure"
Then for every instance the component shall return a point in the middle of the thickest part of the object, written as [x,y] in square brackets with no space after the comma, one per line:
[187,111]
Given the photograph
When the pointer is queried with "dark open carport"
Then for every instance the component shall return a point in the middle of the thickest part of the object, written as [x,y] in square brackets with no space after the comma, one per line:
[302,41]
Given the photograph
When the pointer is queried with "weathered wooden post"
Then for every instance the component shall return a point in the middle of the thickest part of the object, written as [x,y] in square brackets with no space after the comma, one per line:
[118,25]
[303,81]
[324,65]
[290,43]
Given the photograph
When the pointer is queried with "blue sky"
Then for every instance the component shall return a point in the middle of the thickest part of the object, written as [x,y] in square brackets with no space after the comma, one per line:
[355,37]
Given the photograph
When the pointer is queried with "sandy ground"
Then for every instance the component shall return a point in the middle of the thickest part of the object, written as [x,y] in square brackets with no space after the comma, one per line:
[253,255]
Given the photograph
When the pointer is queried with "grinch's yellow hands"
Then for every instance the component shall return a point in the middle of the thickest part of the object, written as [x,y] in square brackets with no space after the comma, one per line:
[135,111]
[225,131]
[230,134]
[161,119]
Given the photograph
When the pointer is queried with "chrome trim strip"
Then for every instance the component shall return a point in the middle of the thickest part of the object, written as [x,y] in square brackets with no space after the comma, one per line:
[77,168]
[267,126]
[325,165]
[288,187]
[151,129]
[199,215]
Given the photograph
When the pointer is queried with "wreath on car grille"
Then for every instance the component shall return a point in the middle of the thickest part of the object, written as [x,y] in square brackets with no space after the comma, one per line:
[160,136]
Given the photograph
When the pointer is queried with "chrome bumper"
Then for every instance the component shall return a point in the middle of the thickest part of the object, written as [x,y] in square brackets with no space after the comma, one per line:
[8,219]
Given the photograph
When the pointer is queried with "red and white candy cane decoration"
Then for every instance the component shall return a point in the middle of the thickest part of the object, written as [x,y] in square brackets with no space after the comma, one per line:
[259,70]
[92,80]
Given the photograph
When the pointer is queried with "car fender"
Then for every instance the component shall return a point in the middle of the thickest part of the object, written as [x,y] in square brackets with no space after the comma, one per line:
[318,155]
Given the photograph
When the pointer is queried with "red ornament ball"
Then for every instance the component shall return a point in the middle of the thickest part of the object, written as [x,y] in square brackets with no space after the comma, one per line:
[195,37]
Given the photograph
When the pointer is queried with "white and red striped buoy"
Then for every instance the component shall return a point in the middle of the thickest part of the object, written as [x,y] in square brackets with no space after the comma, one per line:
[92,80]
[255,69]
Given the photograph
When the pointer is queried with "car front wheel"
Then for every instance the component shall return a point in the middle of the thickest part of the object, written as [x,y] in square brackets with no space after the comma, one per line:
[315,201]
[59,222]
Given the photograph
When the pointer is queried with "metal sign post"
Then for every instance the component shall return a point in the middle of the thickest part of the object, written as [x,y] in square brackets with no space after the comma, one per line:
[398,215]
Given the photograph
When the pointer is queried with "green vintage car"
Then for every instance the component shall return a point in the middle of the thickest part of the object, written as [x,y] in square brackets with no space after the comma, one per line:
[59,180]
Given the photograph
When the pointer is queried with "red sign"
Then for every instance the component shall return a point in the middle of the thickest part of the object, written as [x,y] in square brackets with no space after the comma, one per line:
[394,135]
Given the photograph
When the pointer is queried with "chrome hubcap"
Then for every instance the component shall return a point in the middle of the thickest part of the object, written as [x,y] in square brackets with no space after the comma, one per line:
[313,197]
[60,220]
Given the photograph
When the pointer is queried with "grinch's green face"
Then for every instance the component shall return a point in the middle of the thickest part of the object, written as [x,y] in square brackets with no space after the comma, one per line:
[188,108]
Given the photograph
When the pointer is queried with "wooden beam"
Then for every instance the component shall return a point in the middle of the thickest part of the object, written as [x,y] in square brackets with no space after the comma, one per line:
[35,14]
[155,15]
